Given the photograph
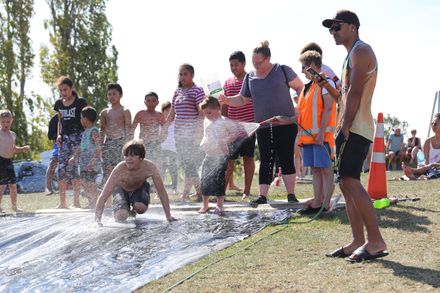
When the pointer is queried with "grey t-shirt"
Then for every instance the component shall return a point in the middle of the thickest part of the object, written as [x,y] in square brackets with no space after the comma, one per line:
[88,149]
[270,95]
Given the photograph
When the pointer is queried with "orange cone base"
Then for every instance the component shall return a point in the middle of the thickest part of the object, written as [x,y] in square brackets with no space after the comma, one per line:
[377,186]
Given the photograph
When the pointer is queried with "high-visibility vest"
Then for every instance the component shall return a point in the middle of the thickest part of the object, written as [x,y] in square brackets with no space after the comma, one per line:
[310,110]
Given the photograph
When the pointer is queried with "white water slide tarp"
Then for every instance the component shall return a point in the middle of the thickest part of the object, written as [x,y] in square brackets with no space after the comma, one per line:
[66,252]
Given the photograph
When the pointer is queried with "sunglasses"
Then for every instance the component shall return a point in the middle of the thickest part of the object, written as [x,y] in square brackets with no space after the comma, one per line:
[335,28]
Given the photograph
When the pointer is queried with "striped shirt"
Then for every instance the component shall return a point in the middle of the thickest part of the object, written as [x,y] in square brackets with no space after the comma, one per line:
[244,113]
[185,103]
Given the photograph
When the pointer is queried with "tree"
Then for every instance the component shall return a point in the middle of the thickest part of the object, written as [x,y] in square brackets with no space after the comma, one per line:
[391,123]
[16,62]
[80,36]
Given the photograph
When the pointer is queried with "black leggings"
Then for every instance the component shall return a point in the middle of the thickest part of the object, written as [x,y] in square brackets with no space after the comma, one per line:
[280,143]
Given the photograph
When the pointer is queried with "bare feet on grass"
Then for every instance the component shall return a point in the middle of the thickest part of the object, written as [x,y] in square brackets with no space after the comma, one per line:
[184,197]
[245,196]
[61,206]
[234,187]
[408,171]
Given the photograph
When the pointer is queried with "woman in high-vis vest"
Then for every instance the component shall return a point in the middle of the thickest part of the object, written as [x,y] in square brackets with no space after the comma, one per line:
[317,118]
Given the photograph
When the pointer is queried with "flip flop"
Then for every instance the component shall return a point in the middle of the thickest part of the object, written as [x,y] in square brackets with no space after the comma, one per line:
[362,254]
[338,253]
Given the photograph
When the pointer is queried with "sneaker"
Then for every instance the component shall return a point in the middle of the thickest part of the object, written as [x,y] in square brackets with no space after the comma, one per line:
[291,198]
[260,200]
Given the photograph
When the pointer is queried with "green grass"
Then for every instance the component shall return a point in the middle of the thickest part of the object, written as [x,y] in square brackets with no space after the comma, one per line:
[291,258]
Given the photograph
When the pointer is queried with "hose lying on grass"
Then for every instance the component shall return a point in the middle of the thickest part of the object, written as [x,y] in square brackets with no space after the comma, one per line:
[284,224]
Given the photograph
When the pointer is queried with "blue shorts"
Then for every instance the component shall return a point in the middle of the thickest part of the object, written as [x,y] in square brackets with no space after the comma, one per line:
[317,156]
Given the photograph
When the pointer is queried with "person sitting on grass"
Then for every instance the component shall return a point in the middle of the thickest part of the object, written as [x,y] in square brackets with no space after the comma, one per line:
[431,150]
[219,133]
[431,171]
[395,148]
[131,190]
[413,146]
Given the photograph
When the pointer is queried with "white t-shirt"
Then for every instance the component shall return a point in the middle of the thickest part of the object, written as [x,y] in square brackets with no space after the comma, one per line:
[330,74]
[169,143]
[218,134]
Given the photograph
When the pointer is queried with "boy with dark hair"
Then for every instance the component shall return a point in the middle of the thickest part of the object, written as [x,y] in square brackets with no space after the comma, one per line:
[115,128]
[245,113]
[7,150]
[219,133]
[149,121]
[89,155]
[128,180]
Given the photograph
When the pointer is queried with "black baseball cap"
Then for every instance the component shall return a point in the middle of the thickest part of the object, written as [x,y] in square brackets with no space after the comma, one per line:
[342,16]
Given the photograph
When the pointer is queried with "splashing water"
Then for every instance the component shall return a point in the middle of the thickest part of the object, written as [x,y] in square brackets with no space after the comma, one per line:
[66,252]
[250,127]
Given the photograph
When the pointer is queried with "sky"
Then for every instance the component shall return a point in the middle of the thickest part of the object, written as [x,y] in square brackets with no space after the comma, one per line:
[155,37]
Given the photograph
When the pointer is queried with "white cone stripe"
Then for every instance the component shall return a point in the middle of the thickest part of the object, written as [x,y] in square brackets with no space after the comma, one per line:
[378,158]
[379,130]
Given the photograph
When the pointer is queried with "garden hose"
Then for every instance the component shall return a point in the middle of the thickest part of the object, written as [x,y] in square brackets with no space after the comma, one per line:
[284,223]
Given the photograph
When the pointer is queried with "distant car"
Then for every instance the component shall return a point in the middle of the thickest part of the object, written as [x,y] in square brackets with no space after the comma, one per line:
[31,176]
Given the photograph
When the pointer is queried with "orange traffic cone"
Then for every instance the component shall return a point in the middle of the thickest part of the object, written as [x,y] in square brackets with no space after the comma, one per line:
[377,185]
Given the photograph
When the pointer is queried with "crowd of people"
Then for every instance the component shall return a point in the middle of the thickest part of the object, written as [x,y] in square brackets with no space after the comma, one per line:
[331,123]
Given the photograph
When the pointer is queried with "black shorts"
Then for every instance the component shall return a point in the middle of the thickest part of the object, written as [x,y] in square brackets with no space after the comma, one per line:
[122,199]
[353,154]
[89,176]
[242,147]
[213,181]
[7,172]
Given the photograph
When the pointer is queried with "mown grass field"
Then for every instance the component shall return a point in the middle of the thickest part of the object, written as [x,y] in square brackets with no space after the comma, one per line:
[290,258]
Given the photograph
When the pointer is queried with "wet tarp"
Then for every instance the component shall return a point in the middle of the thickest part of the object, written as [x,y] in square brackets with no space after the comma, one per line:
[66,252]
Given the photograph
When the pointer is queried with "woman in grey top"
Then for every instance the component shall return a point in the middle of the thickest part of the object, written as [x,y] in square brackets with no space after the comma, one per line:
[269,88]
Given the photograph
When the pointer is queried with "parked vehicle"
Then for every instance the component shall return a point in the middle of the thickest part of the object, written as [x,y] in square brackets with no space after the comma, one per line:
[31,176]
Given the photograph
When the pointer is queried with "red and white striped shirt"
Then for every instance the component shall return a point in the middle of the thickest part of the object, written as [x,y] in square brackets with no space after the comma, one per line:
[244,113]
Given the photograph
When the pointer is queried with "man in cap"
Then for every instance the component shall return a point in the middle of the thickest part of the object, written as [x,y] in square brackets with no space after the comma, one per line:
[355,134]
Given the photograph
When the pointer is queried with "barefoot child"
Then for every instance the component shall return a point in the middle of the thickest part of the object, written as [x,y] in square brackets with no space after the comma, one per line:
[150,122]
[128,179]
[69,108]
[89,155]
[219,133]
[168,148]
[232,87]
[7,150]
[115,129]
